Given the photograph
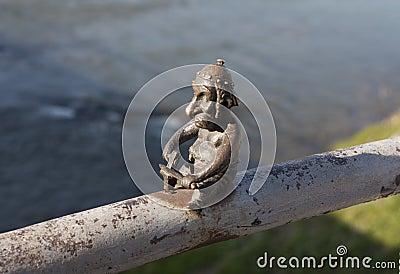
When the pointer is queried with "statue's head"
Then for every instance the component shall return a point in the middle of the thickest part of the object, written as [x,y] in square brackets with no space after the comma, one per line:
[213,86]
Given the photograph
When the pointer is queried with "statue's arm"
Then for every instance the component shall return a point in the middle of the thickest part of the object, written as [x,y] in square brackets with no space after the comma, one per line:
[171,149]
[189,131]
[228,148]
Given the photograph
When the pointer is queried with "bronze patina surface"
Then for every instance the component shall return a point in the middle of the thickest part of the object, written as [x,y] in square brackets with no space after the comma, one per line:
[214,152]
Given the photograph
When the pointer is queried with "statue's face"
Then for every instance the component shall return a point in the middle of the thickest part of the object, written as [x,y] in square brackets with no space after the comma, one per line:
[203,101]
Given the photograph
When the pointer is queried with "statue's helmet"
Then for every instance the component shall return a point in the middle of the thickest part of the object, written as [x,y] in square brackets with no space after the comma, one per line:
[218,77]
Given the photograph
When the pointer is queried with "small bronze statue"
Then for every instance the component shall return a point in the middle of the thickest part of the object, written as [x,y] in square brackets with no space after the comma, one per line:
[214,155]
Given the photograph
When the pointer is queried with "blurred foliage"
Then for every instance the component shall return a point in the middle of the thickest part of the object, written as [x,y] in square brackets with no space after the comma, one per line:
[385,129]
[369,229]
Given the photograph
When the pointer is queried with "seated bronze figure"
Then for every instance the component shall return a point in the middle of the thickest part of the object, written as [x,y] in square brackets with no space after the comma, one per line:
[213,156]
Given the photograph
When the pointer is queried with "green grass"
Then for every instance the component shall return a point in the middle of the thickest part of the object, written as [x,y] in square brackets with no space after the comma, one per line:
[369,229]
[385,129]
[380,219]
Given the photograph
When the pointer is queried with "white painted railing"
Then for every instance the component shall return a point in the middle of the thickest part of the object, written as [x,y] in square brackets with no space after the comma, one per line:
[133,232]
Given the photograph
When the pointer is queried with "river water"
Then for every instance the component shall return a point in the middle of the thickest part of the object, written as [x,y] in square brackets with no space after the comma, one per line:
[68,70]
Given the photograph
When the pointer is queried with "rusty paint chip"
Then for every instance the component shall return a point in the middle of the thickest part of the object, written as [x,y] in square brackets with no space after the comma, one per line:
[397,180]
[386,191]
[156,240]
[256,222]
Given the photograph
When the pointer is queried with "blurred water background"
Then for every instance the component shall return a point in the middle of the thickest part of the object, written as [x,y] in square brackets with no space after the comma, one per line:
[68,70]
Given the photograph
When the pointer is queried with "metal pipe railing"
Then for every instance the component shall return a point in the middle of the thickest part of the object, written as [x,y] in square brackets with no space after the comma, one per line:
[133,232]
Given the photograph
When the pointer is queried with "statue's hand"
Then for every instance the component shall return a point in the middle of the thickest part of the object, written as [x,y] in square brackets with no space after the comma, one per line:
[172,158]
[191,182]
[171,152]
